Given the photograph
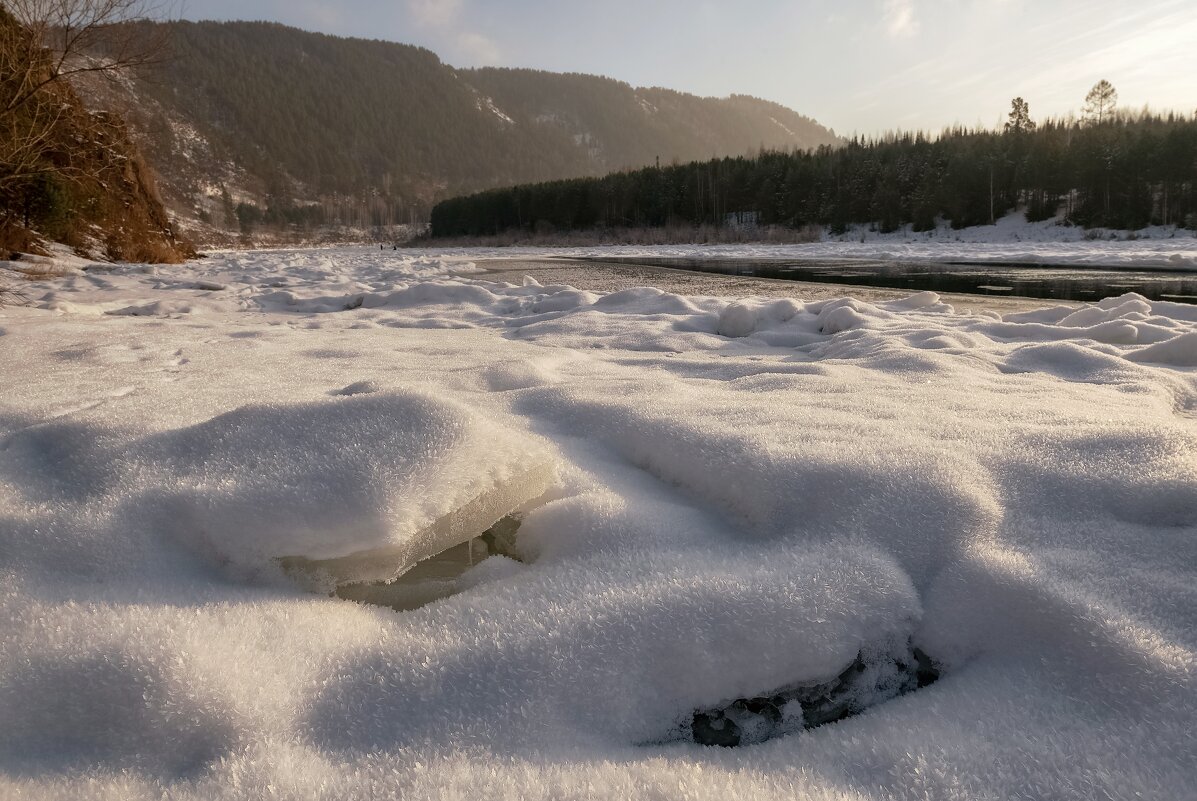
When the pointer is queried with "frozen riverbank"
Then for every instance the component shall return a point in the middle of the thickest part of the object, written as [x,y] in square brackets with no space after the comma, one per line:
[748,493]
[1012,241]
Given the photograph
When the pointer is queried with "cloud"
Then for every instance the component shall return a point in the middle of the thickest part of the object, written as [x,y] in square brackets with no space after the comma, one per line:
[900,21]
[435,13]
[312,15]
[479,49]
[444,19]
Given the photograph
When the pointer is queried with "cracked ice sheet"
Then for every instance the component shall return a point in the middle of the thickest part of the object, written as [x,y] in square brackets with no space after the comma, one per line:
[750,492]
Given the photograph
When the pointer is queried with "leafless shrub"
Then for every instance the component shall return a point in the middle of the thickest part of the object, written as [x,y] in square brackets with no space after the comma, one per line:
[10,295]
[35,271]
[43,45]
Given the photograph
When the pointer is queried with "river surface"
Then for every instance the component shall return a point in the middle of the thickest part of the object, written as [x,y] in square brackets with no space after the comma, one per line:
[994,280]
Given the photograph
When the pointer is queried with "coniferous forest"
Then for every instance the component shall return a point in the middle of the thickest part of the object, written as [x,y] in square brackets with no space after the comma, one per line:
[1111,170]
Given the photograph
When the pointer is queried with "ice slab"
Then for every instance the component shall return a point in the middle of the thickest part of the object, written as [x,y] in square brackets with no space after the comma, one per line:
[439,576]
[427,581]
[457,528]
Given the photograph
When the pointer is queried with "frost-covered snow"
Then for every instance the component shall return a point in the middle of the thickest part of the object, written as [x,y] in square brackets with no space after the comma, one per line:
[748,492]
[1168,254]
[1012,240]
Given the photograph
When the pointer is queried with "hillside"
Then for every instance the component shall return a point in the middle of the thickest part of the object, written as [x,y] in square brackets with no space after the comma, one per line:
[257,123]
[69,174]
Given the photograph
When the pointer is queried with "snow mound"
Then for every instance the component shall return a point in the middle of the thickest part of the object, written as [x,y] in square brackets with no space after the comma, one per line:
[1180,351]
[111,708]
[399,476]
[624,649]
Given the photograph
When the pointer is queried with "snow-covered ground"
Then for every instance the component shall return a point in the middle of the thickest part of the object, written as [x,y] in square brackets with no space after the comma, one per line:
[1153,254]
[746,493]
[1012,240]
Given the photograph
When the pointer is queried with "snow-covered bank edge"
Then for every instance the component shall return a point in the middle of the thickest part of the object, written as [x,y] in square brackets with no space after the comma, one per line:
[1013,240]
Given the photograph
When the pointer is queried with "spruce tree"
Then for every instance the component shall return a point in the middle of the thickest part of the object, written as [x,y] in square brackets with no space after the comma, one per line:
[1020,117]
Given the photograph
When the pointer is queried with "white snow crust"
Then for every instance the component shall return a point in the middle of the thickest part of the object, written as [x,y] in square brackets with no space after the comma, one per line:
[749,493]
[1170,254]
[1012,240]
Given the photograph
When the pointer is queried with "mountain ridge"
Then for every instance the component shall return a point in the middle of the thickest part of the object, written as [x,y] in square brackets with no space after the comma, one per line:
[259,124]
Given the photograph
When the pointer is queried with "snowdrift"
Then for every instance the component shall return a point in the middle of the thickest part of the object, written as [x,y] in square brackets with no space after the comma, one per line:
[721,501]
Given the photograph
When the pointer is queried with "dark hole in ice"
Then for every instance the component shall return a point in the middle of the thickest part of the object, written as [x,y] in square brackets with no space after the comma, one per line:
[861,685]
[436,577]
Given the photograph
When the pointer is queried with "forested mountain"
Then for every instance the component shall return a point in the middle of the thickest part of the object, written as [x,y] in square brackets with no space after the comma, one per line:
[254,122]
[1123,171]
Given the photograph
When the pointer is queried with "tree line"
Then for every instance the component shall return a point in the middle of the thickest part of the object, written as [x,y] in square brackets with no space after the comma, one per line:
[1109,168]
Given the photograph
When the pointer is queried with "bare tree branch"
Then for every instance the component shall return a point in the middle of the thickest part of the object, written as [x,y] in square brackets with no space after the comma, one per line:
[65,36]
[43,45]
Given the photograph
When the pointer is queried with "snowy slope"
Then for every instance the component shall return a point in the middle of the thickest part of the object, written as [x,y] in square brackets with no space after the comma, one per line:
[749,493]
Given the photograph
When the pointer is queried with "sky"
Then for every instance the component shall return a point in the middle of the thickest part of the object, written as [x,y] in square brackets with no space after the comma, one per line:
[859,66]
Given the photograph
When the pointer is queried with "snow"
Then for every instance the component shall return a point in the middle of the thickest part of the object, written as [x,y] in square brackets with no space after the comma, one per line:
[488,104]
[783,126]
[720,497]
[328,479]
[1012,240]
[1177,253]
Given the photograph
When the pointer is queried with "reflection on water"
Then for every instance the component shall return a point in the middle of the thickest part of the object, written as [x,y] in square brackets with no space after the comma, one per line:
[972,279]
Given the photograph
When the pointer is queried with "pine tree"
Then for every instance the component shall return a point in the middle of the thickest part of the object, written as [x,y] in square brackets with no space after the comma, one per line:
[1100,102]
